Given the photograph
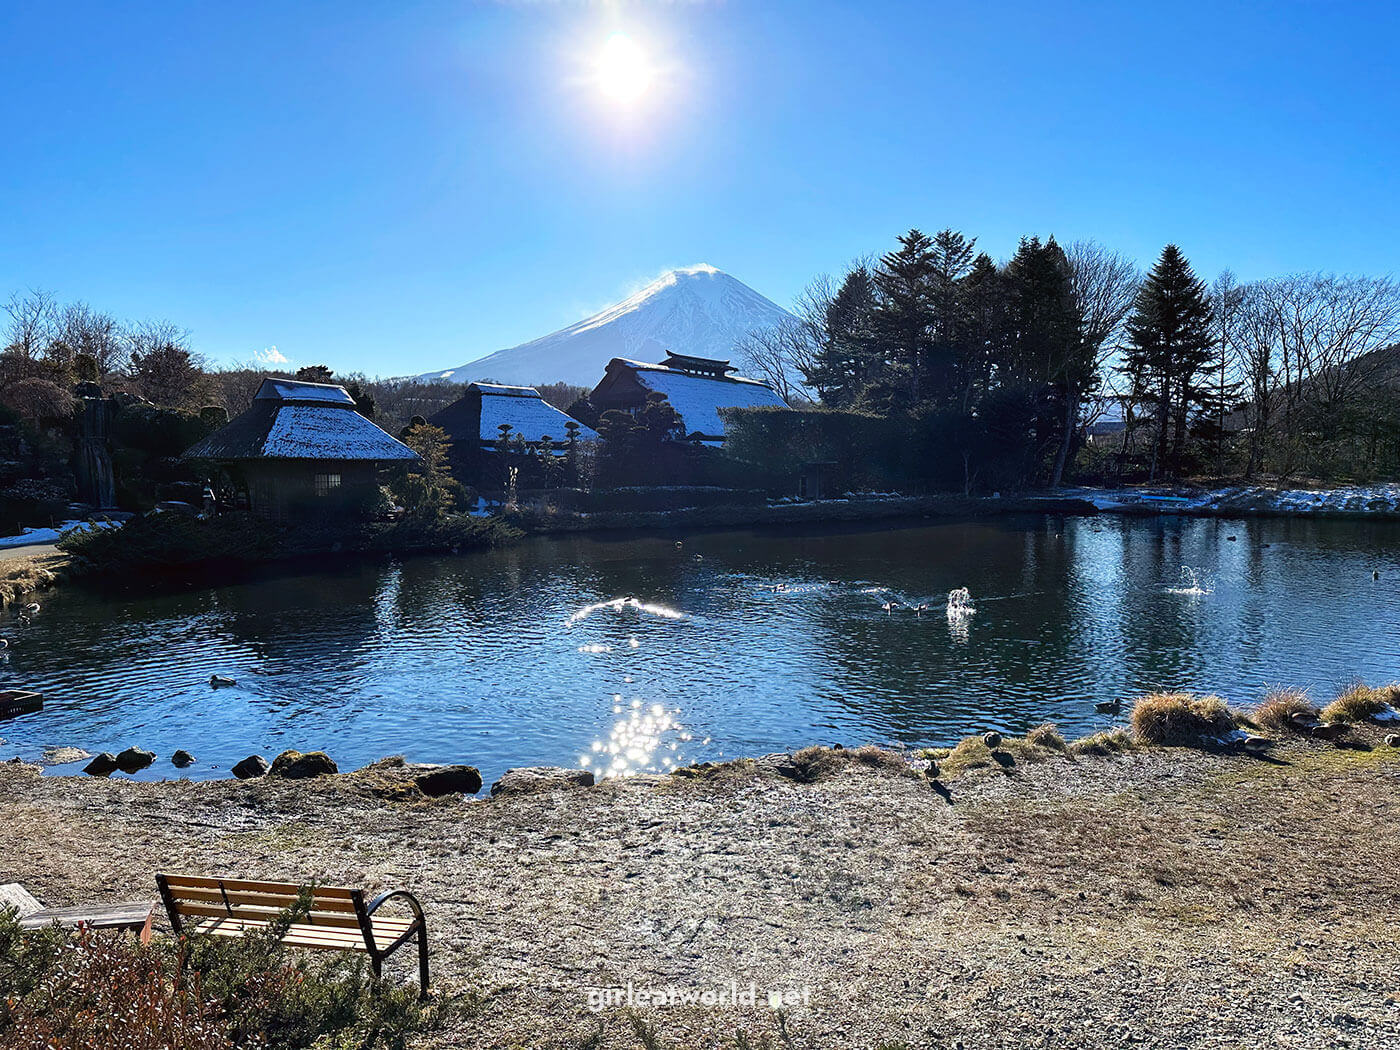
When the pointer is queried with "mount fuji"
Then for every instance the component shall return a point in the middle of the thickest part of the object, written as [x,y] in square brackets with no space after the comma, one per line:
[696,310]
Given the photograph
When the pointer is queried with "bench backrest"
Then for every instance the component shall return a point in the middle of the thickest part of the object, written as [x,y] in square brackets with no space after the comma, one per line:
[197,897]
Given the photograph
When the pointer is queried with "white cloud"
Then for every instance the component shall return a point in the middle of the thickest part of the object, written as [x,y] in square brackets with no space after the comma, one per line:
[271,356]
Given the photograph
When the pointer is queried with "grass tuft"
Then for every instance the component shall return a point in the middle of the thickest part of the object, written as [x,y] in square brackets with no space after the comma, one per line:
[1047,736]
[1180,719]
[1111,742]
[1278,708]
[1361,703]
[879,758]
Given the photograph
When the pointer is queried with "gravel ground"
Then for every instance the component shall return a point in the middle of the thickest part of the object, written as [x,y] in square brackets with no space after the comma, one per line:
[1157,898]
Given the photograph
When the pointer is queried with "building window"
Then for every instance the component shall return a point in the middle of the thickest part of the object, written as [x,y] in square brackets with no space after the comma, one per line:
[327,483]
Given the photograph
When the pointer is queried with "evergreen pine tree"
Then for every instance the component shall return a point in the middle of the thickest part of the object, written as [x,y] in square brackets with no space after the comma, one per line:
[944,380]
[904,319]
[1172,339]
[1047,348]
[985,337]
[846,362]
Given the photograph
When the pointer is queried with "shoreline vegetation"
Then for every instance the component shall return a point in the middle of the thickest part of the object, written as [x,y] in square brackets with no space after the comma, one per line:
[1013,891]
[171,545]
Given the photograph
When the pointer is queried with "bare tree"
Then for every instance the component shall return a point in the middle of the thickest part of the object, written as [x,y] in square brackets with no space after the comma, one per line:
[786,354]
[81,332]
[1308,346]
[1102,286]
[163,366]
[33,323]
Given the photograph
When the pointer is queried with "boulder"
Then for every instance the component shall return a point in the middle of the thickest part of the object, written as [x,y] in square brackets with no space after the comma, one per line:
[450,780]
[295,765]
[250,767]
[61,756]
[133,760]
[533,779]
[104,765]
[182,759]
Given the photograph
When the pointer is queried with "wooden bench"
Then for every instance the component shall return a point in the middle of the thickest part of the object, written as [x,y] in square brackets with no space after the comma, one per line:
[339,919]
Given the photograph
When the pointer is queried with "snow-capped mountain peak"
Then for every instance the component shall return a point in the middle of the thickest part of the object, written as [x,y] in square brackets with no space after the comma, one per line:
[698,310]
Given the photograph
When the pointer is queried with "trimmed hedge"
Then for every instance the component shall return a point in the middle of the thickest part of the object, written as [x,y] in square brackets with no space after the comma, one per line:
[156,542]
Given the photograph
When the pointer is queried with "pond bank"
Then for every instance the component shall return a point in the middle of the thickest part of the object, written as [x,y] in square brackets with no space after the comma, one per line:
[24,571]
[1160,896]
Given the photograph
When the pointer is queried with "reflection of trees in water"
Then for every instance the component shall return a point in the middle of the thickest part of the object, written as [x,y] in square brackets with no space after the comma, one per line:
[906,677]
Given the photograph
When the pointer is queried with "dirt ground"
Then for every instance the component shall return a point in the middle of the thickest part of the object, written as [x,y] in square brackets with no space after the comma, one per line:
[1157,897]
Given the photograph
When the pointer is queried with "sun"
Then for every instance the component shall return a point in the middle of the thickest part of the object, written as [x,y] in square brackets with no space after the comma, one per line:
[622,71]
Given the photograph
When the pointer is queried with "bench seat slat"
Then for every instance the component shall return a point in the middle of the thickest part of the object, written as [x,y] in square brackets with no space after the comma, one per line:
[281,901]
[199,882]
[267,913]
[386,931]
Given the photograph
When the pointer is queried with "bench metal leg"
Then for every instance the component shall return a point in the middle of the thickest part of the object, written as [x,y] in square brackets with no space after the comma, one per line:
[422,960]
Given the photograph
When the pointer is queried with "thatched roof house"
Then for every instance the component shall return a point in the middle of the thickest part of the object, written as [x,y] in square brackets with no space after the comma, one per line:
[303,447]
[696,387]
[473,422]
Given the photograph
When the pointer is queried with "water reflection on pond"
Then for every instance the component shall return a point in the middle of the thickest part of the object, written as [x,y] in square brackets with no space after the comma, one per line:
[634,654]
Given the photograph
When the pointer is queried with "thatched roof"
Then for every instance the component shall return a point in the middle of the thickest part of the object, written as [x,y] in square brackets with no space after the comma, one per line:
[479,413]
[696,397]
[292,420]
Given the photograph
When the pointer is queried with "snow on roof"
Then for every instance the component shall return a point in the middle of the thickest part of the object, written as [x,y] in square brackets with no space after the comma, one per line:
[698,399]
[295,390]
[529,415]
[304,428]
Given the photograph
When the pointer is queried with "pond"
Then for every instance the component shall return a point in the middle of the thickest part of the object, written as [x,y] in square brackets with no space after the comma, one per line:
[733,643]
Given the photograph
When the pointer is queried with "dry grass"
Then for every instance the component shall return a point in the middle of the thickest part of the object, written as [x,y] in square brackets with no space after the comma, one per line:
[1047,736]
[22,576]
[1278,708]
[1180,719]
[1111,742]
[1361,703]
[812,764]
[879,758]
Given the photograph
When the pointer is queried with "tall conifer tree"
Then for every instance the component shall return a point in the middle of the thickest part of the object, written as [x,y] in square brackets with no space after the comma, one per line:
[1172,338]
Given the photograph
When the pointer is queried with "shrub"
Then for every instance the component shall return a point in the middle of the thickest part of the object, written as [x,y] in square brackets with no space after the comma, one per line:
[163,541]
[101,991]
[1360,703]
[1276,711]
[1180,719]
[1047,736]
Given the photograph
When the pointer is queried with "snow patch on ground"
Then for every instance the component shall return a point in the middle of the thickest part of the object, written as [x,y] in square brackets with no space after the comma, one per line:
[33,537]
[1355,499]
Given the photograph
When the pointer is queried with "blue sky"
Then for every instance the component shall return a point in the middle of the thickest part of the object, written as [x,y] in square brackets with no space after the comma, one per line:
[394,187]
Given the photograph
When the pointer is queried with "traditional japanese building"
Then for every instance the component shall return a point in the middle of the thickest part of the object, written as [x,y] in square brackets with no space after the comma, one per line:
[473,423]
[696,387]
[301,449]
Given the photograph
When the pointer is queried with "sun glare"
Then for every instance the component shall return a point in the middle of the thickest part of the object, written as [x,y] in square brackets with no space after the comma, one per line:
[623,73]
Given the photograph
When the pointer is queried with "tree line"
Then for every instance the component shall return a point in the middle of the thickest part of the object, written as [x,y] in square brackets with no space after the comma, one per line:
[1058,343]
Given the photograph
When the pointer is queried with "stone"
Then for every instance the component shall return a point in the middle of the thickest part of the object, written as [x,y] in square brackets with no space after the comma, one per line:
[133,760]
[182,759]
[296,765]
[532,779]
[62,756]
[250,767]
[992,739]
[13,895]
[104,765]
[450,780]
